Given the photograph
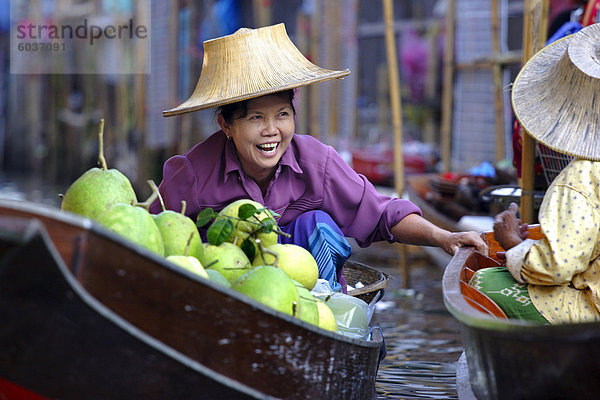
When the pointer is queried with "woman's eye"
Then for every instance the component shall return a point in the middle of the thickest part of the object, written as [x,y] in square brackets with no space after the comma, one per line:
[284,114]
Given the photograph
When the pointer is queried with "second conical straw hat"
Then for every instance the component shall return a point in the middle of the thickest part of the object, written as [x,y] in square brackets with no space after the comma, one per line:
[556,96]
[248,64]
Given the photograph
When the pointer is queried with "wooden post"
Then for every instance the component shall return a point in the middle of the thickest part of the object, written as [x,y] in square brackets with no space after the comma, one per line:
[262,13]
[497,76]
[139,93]
[448,87]
[396,105]
[332,45]
[535,23]
[315,91]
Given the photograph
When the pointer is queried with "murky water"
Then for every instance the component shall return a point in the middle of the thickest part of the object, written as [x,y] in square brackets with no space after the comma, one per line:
[423,340]
[29,188]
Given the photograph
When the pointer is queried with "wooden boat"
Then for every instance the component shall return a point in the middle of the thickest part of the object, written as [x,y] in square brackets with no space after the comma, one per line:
[434,206]
[87,315]
[515,359]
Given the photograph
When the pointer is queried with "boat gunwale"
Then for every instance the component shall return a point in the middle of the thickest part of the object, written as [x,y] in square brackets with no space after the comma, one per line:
[473,318]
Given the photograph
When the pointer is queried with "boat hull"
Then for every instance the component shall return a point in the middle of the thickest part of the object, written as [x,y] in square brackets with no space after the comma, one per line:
[154,327]
[515,359]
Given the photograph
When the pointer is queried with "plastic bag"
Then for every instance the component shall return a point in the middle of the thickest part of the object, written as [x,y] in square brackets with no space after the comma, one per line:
[351,313]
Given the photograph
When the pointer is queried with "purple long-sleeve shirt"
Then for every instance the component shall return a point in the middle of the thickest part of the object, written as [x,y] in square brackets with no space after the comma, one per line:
[310,176]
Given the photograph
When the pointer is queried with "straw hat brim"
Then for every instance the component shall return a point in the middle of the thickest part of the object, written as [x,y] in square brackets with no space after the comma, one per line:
[248,64]
[555,96]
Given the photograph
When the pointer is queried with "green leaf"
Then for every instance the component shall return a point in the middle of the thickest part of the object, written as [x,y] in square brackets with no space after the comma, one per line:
[204,217]
[246,211]
[219,232]
[268,225]
[248,248]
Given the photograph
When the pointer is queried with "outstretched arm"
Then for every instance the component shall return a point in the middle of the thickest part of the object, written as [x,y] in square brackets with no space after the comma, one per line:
[414,229]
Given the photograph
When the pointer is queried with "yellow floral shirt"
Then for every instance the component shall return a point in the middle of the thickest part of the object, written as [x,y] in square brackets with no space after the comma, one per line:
[563,269]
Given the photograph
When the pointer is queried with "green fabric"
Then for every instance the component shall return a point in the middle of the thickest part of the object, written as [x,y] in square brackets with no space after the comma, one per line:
[511,296]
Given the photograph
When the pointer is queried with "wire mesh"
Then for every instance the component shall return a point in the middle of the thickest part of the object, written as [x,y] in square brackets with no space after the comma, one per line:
[552,162]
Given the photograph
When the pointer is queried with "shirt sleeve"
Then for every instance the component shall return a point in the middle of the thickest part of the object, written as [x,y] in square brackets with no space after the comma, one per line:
[360,211]
[179,183]
[570,225]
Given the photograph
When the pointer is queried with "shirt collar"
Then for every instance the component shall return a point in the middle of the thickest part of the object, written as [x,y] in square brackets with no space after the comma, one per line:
[232,162]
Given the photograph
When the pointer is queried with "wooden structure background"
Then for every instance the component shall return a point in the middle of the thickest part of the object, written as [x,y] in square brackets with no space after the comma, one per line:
[478,51]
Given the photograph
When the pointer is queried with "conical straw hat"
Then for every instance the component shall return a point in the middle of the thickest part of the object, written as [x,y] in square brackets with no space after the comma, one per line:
[556,96]
[251,63]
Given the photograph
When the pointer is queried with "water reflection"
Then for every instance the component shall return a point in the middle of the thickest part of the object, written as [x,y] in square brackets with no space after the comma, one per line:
[423,340]
[29,188]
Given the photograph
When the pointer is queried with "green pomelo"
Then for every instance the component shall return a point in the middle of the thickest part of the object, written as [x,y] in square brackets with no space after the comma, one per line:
[189,263]
[308,306]
[296,261]
[228,259]
[243,229]
[176,230]
[217,277]
[96,191]
[326,317]
[270,286]
[135,224]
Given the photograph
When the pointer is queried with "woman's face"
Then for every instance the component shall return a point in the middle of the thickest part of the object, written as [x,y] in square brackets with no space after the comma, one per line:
[263,135]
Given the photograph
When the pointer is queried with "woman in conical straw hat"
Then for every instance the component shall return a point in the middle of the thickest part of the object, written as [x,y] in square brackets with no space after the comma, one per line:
[250,76]
[556,98]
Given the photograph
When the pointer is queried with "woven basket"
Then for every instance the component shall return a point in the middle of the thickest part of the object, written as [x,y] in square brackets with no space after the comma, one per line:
[373,280]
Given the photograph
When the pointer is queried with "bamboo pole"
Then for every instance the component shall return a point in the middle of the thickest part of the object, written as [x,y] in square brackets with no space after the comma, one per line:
[396,105]
[497,76]
[262,12]
[315,91]
[142,11]
[332,40]
[535,21]
[395,100]
[448,87]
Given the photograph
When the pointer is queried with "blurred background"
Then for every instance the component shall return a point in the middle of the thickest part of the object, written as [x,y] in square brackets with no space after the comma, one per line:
[49,121]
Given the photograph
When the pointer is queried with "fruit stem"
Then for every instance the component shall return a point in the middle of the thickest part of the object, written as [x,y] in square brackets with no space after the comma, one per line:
[146,204]
[101,158]
[264,250]
[155,190]
[183,206]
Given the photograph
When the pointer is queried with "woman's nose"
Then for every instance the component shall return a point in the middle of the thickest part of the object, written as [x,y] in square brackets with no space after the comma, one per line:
[270,127]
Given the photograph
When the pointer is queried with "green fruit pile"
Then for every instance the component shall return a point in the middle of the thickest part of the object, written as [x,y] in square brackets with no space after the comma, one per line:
[242,252]
[243,247]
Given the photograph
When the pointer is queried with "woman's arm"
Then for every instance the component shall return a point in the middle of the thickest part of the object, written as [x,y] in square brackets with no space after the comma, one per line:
[414,229]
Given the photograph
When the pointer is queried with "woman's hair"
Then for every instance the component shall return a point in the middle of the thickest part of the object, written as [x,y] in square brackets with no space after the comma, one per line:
[240,109]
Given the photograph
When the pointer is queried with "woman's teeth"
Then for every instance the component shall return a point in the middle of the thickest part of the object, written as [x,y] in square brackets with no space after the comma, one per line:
[268,148]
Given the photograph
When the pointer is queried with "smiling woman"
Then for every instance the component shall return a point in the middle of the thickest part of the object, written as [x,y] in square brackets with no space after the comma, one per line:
[261,130]
[257,155]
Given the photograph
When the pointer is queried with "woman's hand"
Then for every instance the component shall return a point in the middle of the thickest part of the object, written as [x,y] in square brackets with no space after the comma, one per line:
[508,230]
[416,230]
[454,240]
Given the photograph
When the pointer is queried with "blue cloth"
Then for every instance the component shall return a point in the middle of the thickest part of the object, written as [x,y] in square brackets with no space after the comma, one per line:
[566,29]
[318,233]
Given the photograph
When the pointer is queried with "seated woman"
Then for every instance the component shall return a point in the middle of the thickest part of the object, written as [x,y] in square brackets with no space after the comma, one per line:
[556,279]
[257,155]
